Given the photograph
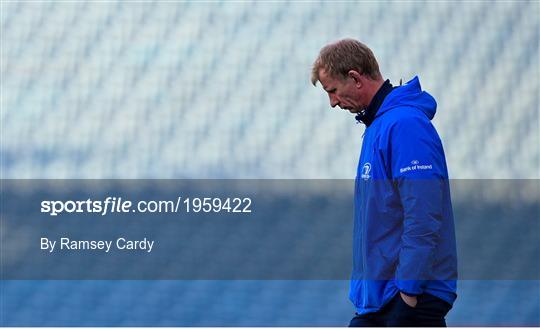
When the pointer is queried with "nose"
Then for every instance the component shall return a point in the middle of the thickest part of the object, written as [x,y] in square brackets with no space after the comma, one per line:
[333,101]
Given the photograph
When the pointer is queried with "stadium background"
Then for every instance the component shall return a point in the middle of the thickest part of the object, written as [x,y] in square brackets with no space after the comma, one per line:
[221,90]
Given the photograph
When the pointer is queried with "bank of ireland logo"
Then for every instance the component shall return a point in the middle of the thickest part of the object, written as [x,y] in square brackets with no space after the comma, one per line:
[365,171]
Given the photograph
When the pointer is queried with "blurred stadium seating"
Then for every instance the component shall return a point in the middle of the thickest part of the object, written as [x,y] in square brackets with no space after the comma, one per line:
[221,90]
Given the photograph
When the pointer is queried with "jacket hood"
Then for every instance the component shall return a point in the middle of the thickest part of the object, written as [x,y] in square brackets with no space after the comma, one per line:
[410,94]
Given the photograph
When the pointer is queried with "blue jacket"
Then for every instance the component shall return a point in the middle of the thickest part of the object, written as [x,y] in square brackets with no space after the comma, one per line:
[404,236]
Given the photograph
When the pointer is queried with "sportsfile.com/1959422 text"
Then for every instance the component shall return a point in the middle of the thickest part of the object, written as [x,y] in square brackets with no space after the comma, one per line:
[118,205]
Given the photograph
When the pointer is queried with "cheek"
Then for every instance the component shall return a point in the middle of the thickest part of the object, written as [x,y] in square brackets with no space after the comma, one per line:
[357,100]
[349,99]
[350,96]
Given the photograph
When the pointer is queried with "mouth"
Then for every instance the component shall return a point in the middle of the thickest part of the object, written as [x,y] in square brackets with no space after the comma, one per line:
[349,108]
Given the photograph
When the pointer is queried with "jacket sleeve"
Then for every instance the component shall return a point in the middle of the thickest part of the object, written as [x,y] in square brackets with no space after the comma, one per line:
[418,169]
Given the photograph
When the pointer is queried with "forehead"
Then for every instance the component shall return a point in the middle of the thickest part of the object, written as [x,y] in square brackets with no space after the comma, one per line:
[328,82]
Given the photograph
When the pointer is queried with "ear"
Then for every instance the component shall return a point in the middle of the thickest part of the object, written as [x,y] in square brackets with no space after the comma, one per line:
[357,78]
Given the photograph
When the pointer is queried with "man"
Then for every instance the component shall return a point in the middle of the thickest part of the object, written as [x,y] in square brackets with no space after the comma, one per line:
[404,253]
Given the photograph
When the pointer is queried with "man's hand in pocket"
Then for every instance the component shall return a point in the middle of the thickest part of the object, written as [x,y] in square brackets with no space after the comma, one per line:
[409,300]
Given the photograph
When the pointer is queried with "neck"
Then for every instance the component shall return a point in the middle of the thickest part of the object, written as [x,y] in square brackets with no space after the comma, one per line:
[367,115]
[373,87]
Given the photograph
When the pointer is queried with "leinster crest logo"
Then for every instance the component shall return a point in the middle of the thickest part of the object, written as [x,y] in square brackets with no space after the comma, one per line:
[365,171]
